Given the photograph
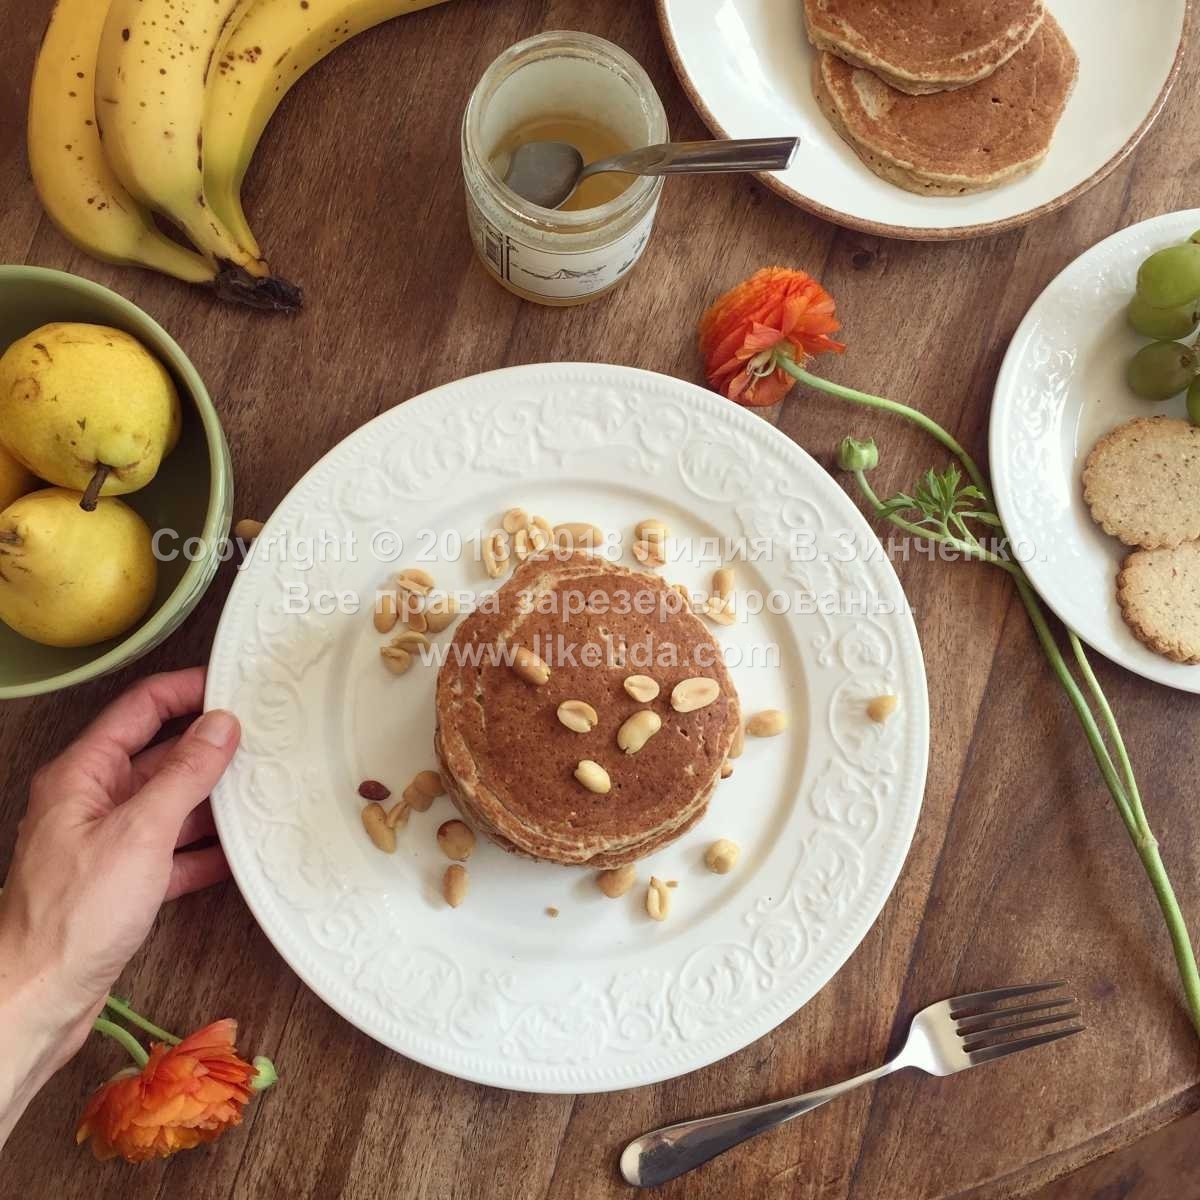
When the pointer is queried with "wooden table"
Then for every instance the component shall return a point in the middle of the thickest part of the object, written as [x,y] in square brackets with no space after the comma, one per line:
[1020,869]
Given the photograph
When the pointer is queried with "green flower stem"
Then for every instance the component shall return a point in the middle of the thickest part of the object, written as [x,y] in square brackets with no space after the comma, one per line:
[121,1009]
[1123,786]
[124,1037]
[917,417]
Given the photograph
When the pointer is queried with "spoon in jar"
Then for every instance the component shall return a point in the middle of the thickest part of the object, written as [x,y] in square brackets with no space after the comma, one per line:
[547,173]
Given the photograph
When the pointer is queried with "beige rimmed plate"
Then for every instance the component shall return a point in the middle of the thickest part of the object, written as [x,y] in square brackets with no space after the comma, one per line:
[602,996]
[746,66]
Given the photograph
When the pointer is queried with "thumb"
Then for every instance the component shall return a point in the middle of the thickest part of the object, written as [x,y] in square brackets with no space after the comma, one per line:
[189,772]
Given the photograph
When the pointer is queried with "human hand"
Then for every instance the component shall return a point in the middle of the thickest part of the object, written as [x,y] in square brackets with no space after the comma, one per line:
[101,847]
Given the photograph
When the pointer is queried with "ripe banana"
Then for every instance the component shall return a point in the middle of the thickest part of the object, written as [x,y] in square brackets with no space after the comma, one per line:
[273,44]
[151,73]
[73,179]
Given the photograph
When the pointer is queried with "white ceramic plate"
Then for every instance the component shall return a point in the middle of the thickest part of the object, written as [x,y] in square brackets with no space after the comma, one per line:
[1061,387]
[746,66]
[602,997]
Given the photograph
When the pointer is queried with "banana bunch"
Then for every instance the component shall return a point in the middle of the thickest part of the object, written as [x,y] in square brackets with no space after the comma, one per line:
[144,107]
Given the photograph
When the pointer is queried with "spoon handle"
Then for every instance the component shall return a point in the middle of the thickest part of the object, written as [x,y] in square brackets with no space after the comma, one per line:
[672,158]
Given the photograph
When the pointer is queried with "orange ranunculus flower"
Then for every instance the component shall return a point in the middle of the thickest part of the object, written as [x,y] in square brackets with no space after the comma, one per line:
[185,1095]
[775,311]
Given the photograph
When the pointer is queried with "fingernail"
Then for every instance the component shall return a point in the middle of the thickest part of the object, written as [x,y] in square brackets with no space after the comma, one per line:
[216,728]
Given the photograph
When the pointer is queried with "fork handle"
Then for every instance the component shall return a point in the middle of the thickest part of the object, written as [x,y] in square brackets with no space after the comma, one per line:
[665,1154]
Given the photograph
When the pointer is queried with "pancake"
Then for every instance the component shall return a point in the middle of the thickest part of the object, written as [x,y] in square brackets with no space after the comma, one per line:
[952,143]
[921,46]
[509,763]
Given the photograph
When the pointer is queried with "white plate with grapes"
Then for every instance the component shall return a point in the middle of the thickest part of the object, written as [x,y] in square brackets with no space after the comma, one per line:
[1065,382]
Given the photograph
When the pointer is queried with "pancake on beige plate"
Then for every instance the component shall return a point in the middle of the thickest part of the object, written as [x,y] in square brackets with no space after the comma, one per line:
[951,143]
[921,46]
[509,762]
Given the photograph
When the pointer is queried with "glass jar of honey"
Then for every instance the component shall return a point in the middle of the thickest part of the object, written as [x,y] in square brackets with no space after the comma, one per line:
[564,87]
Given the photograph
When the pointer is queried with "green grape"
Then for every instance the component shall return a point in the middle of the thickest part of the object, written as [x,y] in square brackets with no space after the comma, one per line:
[1154,322]
[1171,277]
[1162,370]
[1195,236]
[1193,401]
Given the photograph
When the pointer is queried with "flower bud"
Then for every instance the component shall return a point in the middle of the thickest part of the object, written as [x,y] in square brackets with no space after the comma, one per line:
[854,455]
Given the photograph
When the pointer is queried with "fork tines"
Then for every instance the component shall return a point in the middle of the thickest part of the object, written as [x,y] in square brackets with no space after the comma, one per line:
[985,1024]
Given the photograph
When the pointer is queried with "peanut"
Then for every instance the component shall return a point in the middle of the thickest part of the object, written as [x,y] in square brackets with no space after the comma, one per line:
[374,821]
[514,519]
[578,535]
[440,613]
[578,716]
[247,530]
[455,840]
[398,814]
[395,659]
[551,911]
[726,769]
[882,707]
[692,694]
[651,530]
[658,899]
[522,546]
[593,777]
[409,640]
[641,688]
[723,582]
[768,723]
[721,857]
[617,881]
[454,885]
[385,612]
[637,730]
[494,553]
[413,579]
[429,783]
[529,667]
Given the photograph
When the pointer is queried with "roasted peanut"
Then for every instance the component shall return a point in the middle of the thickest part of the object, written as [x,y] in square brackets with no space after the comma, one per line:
[593,777]
[767,723]
[882,707]
[617,881]
[385,612]
[651,530]
[641,688]
[429,783]
[493,549]
[395,659]
[522,546]
[409,640]
[578,535]
[529,667]
[397,815]
[578,716]
[247,530]
[658,899]
[721,857]
[413,579]
[637,730]
[514,519]
[723,582]
[696,693]
[374,821]
[440,612]
[455,840]
[454,885]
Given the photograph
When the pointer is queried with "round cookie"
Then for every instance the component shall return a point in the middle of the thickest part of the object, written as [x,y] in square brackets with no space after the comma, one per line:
[1159,594]
[1142,482]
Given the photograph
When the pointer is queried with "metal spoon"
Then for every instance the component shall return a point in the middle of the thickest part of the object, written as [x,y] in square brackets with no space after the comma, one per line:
[547,173]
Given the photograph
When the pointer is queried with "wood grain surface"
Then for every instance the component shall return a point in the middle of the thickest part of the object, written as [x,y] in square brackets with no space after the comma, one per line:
[1020,869]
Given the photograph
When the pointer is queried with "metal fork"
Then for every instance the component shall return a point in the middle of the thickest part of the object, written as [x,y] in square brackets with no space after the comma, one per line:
[944,1038]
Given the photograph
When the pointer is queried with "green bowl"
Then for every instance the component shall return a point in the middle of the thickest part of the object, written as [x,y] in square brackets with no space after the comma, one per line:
[192,493]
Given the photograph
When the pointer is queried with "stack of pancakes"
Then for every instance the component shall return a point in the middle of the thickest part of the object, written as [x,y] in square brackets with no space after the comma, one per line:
[942,97]
[509,764]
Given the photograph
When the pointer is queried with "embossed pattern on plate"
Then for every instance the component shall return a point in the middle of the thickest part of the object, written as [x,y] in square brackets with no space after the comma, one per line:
[1061,387]
[601,997]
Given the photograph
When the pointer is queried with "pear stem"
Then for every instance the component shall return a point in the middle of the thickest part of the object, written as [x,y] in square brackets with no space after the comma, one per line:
[92,495]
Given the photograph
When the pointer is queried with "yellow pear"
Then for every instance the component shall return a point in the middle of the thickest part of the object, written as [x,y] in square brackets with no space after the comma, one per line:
[87,407]
[14,479]
[73,578]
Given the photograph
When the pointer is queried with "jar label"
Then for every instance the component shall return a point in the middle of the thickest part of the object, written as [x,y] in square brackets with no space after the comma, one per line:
[556,274]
